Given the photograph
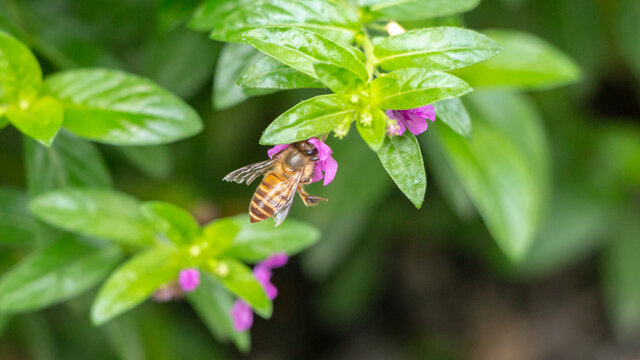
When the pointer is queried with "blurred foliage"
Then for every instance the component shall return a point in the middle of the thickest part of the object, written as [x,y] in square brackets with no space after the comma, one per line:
[378,253]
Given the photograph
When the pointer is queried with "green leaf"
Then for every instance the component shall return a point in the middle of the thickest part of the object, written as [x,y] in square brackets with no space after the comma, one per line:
[453,114]
[177,224]
[312,117]
[338,79]
[219,234]
[70,161]
[20,73]
[211,13]
[504,170]
[526,62]
[134,281]
[411,88]
[238,278]
[269,73]
[441,48]
[402,158]
[407,10]
[17,227]
[258,241]
[95,212]
[620,281]
[40,119]
[118,108]
[234,60]
[213,305]
[374,133]
[155,161]
[55,274]
[330,19]
[302,49]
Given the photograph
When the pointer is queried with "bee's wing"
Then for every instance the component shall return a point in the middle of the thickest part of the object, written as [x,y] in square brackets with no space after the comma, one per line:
[282,210]
[250,172]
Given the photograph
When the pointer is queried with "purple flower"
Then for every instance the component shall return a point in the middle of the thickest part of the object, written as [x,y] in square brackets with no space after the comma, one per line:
[325,168]
[413,119]
[326,164]
[275,260]
[241,311]
[263,275]
[242,315]
[189,279]
[276,150]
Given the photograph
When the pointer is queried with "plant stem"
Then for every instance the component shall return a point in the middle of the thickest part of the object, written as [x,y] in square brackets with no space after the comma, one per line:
[370,59]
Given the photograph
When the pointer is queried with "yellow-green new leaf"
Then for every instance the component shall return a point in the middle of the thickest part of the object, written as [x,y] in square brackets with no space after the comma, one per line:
[40,119]
[20,73]
[238,278]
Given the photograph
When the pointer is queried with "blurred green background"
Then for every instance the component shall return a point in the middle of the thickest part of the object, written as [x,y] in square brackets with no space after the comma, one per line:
[386,281]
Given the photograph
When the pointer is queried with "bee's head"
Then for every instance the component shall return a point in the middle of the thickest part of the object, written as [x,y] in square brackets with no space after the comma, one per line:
[306,148]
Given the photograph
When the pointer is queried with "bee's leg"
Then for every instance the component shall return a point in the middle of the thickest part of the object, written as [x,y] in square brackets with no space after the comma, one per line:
[309,200]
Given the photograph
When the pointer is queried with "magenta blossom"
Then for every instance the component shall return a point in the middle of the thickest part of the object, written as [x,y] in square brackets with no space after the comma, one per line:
[241,312]
[326,167]
[189,279]
[413,119]
[242,315]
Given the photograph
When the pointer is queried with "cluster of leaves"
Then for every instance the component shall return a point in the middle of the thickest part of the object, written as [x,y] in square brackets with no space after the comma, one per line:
[103,105]
[69,189]
[326,44]
[163,238]
[340,45]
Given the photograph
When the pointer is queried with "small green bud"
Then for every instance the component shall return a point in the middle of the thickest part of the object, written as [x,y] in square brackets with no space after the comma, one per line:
[195,251]
[366,119]
[219,268]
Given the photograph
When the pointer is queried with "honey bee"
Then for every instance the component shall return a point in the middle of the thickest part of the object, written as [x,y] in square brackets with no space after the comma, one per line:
[284,175]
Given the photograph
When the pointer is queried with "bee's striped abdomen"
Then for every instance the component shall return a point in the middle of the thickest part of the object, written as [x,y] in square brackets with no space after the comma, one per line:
[269,196]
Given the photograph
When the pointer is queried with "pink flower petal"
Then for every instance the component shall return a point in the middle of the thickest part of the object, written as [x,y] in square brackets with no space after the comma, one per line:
[325,167]
[413,119]
[330,170]
[324,151]
[317,173]
[189,279]
[263,274]
[424,112]
[271,290]
[275,260]
[242,315]
[416,125]
[276,150]
[391,114]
